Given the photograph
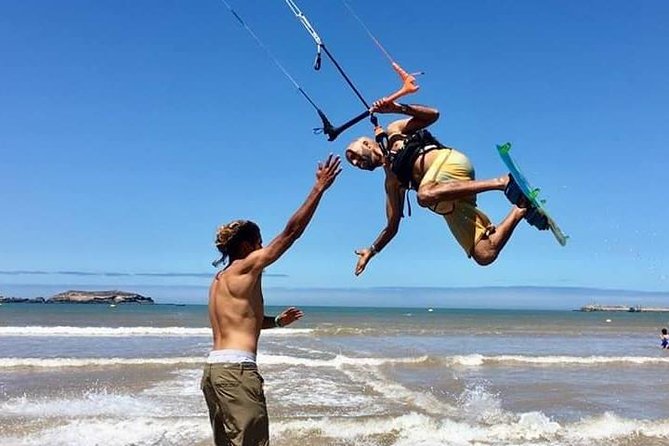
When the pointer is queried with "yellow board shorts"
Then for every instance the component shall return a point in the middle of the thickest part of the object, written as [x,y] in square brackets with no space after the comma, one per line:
[467,222]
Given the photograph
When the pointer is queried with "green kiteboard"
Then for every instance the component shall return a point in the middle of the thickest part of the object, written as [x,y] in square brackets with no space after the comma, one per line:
[531,193]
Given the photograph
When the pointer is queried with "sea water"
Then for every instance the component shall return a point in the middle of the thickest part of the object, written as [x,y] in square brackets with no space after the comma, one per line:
[129,375]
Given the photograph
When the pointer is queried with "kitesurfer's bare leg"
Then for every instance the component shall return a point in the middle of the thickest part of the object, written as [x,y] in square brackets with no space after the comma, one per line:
[433,192]
[488,248]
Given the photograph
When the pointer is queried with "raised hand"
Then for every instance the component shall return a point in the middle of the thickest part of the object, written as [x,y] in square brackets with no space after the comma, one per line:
[327,171]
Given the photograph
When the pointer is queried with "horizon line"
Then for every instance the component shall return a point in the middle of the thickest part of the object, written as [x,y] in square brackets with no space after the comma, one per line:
[351,289]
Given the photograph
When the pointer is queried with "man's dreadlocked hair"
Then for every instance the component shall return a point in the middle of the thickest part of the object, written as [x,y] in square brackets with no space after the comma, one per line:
[229,237]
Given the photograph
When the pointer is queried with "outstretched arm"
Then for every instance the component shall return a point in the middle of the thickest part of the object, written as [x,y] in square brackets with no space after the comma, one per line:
[420,116]
[394,204]
[325,176]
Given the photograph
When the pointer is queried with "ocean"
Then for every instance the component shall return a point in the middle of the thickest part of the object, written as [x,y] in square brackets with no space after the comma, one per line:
[129,375]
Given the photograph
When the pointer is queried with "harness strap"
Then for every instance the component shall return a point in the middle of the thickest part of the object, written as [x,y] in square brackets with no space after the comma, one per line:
[380,135]
[406,198]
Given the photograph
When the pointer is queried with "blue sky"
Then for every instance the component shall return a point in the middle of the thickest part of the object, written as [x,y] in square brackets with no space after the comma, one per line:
[130,130]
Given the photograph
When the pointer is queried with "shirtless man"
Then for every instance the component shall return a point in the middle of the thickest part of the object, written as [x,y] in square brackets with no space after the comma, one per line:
[444,180]
[232,386]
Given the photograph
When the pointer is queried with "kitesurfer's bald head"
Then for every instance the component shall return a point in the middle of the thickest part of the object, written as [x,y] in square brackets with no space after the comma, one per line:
[364,153]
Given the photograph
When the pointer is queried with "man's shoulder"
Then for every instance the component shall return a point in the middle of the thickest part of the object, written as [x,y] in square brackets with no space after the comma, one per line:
[240,267]
[232,282]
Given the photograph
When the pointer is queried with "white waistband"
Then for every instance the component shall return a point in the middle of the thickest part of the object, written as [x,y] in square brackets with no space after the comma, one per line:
[230,356]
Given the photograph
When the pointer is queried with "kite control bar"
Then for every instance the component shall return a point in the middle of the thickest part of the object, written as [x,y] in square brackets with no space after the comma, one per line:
[333,132]
[408,86]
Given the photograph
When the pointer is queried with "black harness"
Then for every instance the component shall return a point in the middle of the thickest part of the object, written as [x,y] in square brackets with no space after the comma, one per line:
[402,162]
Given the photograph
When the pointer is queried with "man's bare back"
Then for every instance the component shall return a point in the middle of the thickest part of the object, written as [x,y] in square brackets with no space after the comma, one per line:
[236,309]
[236,306]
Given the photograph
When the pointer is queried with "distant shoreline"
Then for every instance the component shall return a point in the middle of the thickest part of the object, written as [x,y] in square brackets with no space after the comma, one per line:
[110,297]
[623,308]
[489,298]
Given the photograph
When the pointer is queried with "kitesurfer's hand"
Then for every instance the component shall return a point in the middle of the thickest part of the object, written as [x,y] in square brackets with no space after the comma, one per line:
[364,255]
[327,171]
[385,106]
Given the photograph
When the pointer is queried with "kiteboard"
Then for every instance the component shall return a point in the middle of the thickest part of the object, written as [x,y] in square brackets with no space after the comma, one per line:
[530,193]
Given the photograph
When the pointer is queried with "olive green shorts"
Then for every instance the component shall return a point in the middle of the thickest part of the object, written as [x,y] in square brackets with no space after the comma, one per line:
[236,402]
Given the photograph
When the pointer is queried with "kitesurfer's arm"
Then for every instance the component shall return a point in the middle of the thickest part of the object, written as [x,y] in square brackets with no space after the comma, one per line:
[394,205]
[421,116]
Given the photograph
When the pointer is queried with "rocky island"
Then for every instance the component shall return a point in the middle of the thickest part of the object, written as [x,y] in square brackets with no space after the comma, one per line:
[85,297]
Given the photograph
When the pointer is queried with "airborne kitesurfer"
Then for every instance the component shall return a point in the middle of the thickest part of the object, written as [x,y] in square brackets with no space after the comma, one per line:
[444,181]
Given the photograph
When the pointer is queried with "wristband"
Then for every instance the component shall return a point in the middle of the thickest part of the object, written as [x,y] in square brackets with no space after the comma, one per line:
[277,320]
[372,249]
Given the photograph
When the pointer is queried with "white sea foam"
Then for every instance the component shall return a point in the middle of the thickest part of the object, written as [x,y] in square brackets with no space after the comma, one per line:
[184,383]
[474,359]
[398,393]
[143,431]
[93,362]
[67,331]
[609,425]
[140,419]
[532,428]
[329,392]
[477,404]
[177,397]
[341,361]
[413,429]
[338,361]
[467,360]
[462,360]
[92,403]
[479,360]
